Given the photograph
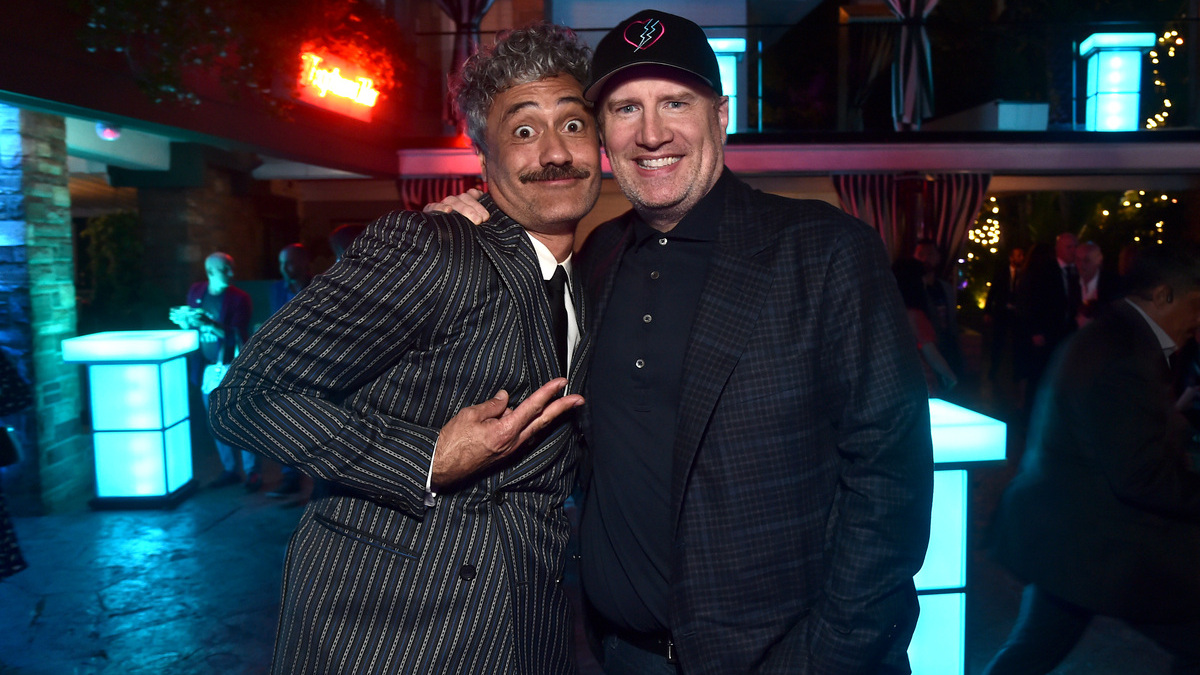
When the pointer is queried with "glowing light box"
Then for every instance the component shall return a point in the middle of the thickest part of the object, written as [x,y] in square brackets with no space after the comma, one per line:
[141,434]
[960,437]
[939,643]
[1114,79]
[130,345]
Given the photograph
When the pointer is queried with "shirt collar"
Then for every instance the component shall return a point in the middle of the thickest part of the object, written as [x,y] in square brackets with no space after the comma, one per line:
[699,224]
[546,259]
[1164,341]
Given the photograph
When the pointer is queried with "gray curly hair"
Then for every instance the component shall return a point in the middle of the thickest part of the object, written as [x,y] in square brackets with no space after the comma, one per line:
[519,56]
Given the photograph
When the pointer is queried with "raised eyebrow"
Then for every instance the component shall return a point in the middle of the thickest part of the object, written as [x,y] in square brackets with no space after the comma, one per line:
[522,105]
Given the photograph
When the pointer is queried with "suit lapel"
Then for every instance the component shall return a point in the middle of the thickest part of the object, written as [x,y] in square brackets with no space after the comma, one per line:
[733,295]
[508,247]
[515,261]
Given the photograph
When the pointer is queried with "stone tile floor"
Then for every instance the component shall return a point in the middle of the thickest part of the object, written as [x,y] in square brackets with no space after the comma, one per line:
[195,590]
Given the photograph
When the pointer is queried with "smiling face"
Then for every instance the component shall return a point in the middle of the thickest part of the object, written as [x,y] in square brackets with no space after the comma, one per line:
[543,159]
[664,133]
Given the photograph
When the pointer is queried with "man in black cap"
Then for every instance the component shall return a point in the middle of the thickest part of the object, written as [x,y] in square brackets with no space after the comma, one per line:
[761,474]
[759,477]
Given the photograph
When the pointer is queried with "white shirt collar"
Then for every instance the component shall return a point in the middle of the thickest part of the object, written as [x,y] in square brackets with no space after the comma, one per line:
[1168,345]
[546,260]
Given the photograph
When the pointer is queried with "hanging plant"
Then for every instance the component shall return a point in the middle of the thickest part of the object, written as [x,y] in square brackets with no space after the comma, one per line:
[174,47]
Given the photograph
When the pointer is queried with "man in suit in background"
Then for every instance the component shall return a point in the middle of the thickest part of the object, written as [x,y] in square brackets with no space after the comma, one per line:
[760,477]
[999,310]
[941,300]
[1047,302]
[437,544]
[1104,514]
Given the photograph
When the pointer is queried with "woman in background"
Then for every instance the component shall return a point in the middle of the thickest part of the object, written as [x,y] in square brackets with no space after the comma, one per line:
[14,396]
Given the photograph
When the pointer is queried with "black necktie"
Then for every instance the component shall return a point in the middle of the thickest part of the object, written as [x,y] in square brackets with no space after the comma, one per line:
[1074,293]
[556,289]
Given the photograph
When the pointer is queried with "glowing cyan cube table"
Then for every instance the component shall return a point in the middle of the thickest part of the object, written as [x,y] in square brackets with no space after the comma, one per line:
[961,438]
[139,400]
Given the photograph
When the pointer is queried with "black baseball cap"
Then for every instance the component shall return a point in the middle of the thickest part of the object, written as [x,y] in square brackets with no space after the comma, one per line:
[651,37]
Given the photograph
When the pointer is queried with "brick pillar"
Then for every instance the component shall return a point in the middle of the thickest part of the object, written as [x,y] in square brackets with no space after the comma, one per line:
[37,311]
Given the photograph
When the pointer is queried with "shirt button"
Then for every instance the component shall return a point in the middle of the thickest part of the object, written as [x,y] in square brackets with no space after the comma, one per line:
[639,363]
[647,319]
[497,498]
[466,572]
[654,274]
[662,241]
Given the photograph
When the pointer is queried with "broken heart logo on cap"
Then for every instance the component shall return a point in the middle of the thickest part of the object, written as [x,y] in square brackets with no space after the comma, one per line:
[642,34]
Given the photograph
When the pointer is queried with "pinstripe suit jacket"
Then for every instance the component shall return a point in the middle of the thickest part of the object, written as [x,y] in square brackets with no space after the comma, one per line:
[802,477]
[350,382]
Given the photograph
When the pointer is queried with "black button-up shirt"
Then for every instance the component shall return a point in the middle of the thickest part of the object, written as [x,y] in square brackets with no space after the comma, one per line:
[634,391]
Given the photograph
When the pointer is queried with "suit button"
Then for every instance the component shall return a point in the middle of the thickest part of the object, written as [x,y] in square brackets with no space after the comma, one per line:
[466,572]
[497,498]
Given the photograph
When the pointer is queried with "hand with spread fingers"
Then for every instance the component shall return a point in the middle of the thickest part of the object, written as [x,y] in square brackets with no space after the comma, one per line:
[481,435]
[466,204]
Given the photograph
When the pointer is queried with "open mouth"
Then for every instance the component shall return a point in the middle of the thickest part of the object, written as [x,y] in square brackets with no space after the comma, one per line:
[657,163]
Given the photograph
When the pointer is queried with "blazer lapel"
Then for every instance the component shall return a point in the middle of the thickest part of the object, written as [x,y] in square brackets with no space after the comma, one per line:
[516,262]
[733,295]
[600,279]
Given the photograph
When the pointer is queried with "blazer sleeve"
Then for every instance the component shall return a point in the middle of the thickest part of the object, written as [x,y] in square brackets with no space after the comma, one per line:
[286,395]
[880,525]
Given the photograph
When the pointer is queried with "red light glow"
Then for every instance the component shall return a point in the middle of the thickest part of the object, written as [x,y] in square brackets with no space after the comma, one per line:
[322,83]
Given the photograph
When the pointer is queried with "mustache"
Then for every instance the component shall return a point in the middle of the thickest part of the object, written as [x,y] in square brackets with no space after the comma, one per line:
[554,172]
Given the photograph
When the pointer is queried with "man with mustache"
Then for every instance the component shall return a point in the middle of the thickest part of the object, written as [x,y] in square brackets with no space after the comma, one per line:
[437,545]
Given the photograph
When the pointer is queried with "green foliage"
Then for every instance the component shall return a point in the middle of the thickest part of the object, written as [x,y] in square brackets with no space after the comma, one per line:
[114,248]
[174,45]
[1135,217]
[1111,219]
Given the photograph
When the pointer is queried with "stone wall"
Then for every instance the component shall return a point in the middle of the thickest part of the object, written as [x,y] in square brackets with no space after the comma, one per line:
[184,225]
[37,312]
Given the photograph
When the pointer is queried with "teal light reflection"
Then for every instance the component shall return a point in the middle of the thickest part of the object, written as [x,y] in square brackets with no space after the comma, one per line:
[938,644]
[130,464]
[179,455]
[125,396]
[130,345]
[962,435]
[946,558]
[174,391]
[728,51]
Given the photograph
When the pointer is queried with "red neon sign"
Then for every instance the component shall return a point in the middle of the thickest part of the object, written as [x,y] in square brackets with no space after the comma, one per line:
[336,85]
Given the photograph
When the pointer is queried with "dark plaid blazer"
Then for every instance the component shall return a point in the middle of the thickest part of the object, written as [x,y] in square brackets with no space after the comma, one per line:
[1105,510]
[802,477]
[350,382]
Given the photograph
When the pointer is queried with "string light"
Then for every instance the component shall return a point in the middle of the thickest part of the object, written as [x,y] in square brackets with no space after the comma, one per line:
[985,236]
[1168,40]
[986,232]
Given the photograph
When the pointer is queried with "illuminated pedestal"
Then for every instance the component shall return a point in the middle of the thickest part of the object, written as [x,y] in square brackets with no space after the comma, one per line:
[139,400]
[961,437]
